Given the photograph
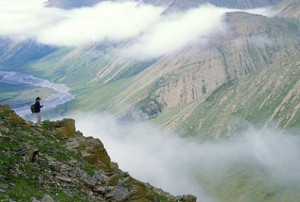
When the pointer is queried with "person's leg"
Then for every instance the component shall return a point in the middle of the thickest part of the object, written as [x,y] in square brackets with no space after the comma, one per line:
[38,118]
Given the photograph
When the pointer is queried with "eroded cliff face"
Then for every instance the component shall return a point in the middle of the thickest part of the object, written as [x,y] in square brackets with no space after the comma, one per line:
[289,9]
[268,98]
[253,43]
[56,162]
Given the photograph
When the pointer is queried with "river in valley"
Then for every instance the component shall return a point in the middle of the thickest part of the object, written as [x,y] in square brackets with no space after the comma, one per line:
[60,97]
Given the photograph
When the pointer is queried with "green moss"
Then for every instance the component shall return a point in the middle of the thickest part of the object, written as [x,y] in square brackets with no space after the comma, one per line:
[24,189]
[63,197]
[89,169]
[159,196]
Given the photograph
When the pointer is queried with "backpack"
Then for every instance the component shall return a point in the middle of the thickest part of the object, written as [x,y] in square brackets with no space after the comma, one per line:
[32,107]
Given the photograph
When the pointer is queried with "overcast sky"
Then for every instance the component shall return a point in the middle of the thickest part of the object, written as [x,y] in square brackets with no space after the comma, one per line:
[143,27]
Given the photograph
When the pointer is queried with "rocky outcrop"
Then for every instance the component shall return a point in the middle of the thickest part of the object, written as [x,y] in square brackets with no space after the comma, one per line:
[66,127]
[54,162]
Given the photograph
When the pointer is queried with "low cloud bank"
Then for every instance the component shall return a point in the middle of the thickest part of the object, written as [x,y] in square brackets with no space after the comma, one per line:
[142,27]
[182,165]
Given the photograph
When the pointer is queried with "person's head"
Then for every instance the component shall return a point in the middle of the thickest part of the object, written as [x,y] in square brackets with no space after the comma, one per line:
[38,99]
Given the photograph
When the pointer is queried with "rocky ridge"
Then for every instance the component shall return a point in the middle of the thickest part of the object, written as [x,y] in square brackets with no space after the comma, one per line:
[173,5]
[54,162]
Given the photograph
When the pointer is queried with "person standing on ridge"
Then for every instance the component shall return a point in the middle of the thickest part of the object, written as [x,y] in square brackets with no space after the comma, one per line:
[38,107]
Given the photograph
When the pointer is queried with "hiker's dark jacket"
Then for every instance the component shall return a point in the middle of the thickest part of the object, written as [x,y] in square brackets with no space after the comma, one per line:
[37,107]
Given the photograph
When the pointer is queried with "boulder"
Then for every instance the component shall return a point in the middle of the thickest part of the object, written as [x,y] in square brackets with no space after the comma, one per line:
[114,180]
[64,179]
[33,199]
[94,152]
[4,108]
[31,155]
[121,193]
[138,190]
[187,198]
[99,189]
[86,179]
[47,198]
[4,129]
[28,153]
[66,127]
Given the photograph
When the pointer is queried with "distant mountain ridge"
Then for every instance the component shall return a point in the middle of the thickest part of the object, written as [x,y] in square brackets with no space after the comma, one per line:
[175,89]
[173,4]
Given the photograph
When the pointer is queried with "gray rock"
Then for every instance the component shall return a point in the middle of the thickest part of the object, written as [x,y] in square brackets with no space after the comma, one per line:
[124,174]
[108,191]
[100,190]
[2,128]
[2,191]
[88,180]
[33,199]
[99,177]
[64,179]
[187,198]
[31,155]
[121,193]
[114,180]
[81,173]
[72,174]
[47,198]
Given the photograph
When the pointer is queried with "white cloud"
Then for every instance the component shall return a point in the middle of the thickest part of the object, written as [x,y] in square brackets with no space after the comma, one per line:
[268,12]
[146,32]
[173,163]
[106,21]
[175,31]
[25,19]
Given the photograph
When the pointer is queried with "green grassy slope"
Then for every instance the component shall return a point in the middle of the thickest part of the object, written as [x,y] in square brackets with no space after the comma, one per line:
[269,96]
[247,182]
[39,160]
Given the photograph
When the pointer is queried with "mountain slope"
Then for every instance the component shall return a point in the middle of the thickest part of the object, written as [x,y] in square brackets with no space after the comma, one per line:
[16,53]
[56,160]
[69,4]
[254,42]
[195,72]
[258,49]
[173,86]
[289,9]
[173,4]
[240,4]
[269,96]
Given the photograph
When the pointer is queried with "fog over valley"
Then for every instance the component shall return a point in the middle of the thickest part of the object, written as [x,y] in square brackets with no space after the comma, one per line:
[187,165]
[197,98]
